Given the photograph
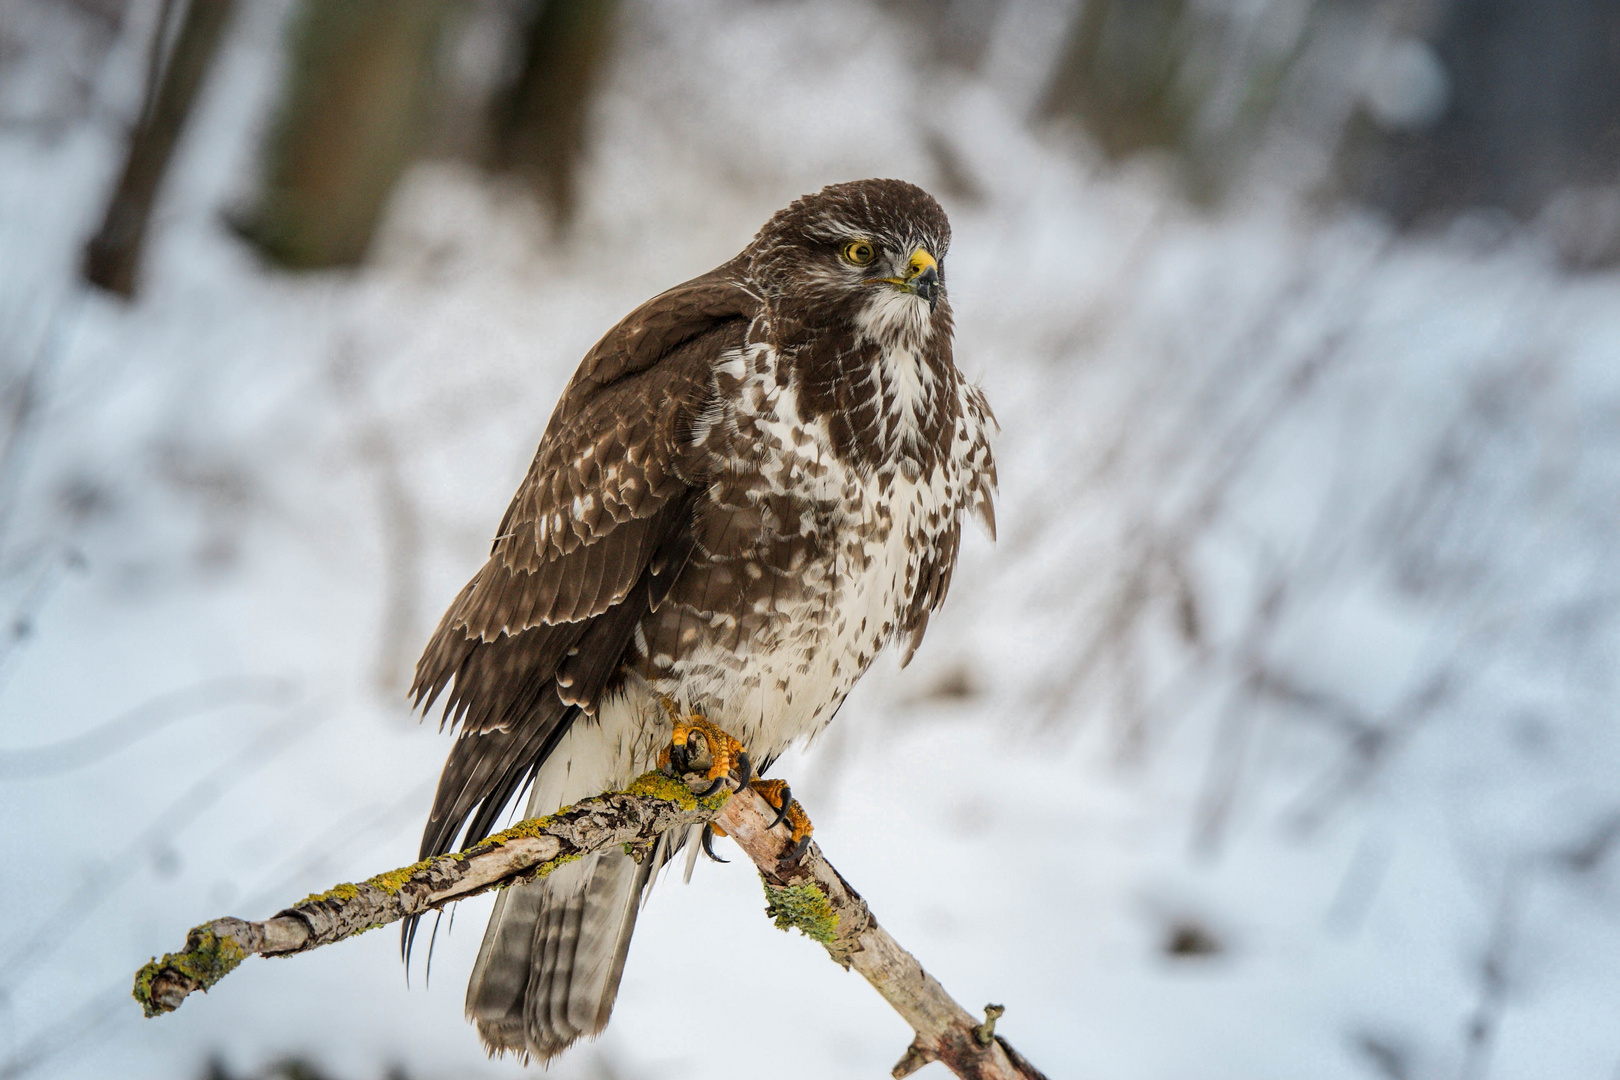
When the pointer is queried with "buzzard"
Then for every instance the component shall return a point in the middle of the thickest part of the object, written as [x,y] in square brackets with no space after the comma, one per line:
[752,485]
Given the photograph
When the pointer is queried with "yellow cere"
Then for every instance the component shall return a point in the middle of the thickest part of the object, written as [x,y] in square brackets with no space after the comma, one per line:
[921,260]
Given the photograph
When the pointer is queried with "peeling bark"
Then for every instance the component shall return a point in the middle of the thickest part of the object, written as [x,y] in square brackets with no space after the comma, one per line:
[809,895]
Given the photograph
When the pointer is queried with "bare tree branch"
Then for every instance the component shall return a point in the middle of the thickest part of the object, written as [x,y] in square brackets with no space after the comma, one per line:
[808,894]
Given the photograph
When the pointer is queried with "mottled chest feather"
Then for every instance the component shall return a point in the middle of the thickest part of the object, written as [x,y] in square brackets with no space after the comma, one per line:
[826,533]
[881,378]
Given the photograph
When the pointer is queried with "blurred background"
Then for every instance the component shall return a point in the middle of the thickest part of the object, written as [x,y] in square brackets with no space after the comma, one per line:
[1275,738]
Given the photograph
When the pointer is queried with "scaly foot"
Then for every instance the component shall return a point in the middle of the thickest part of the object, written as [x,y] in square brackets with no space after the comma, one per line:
[780,796]
[698,746]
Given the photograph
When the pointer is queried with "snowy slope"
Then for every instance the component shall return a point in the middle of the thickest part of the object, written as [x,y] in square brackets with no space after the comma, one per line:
[1297,651]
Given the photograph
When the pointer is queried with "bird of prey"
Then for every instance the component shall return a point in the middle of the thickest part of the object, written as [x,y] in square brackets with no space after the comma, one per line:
[753,484]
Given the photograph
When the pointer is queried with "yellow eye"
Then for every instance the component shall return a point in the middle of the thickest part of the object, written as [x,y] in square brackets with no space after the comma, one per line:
[859,252]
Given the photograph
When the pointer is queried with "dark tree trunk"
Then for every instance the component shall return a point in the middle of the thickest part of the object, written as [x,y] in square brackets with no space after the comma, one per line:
[359,83]
[1121,74]
[112,257]
[538,126]
[1534,107]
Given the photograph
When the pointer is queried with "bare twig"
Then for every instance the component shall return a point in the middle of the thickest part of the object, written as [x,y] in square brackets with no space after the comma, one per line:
[1493,979]
[808,894]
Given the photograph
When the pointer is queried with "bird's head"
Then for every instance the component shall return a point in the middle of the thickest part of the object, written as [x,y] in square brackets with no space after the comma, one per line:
[870,252]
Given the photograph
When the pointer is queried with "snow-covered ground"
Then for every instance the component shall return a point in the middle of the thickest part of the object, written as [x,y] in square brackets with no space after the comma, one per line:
[1274,739]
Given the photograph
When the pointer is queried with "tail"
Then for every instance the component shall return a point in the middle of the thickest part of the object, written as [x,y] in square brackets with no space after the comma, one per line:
[549,968]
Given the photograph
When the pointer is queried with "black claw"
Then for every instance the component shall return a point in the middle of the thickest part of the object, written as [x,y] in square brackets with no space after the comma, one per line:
[678,761]
[782,811]
[798,850]
[745,770]
[712,788]
[707,841]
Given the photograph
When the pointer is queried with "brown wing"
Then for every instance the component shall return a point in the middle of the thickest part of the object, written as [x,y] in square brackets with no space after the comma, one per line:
[595,532]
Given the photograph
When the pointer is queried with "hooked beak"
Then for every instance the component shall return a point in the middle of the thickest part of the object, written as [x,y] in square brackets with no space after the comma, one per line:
[926,285]
[922,277]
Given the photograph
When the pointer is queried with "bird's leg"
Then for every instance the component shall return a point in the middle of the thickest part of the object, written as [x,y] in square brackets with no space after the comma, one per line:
[788,811]
[695,741]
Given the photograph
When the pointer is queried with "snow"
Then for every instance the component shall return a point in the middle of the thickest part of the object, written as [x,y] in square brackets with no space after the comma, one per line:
[1301,629]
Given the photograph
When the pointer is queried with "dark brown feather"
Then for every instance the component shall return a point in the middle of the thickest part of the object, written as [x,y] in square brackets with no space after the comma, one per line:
[551,598]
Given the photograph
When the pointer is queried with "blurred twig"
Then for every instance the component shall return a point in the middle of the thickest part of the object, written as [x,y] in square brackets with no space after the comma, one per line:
[1371,743]
[1493,979]
[47,566]
[111,736]
[86,1026]
[402,530]
[1208,443]
[1236,728]
[72,1032]
[23,398]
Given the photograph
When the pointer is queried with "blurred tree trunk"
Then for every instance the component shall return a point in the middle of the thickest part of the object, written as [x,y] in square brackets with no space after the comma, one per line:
[1532,106]
[538,126]
[957,31]
[112,257]
[1122,74]
[1198,81]
[358,86]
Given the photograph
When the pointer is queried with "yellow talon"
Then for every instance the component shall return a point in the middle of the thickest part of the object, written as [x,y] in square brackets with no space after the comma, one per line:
[789,812]
[693,741]
[698,746]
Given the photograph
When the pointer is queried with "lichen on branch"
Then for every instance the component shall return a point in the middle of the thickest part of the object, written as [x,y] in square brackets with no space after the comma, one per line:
[208,957]
[802,907]
[531,849]
[806,893]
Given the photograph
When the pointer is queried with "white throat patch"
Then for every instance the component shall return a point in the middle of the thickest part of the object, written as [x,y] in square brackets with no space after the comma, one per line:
[901,325]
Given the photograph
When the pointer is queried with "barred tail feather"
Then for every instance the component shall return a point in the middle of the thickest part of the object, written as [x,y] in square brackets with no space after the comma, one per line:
[549,967]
